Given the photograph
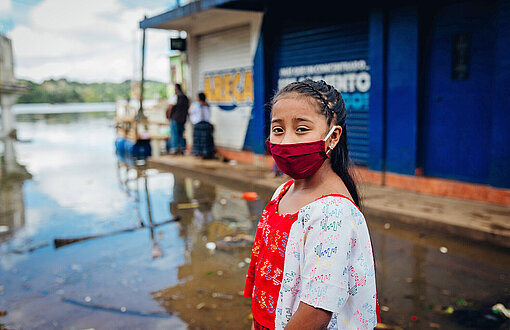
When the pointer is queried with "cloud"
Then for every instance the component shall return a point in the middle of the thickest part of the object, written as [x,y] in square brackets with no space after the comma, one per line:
[94,40]
[5,6]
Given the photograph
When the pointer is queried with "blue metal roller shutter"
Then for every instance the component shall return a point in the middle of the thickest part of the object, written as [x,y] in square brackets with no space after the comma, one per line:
[302,45]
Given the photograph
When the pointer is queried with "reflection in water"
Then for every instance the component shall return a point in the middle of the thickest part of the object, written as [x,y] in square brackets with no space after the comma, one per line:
[166,277]
[209,293]
[103,283]
[12,176]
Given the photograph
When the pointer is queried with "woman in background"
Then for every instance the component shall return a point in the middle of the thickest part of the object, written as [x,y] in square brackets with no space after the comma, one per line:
[200,116]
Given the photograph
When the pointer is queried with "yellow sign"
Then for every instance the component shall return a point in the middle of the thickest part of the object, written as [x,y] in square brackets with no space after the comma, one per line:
[233,87]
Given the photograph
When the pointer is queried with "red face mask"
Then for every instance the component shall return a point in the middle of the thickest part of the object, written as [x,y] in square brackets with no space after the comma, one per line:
[299,160]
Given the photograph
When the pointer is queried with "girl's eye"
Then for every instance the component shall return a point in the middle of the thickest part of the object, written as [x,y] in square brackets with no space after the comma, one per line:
[277,130]
[302,129]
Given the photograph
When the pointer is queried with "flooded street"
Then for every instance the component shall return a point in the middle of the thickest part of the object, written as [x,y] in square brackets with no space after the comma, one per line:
[168,273]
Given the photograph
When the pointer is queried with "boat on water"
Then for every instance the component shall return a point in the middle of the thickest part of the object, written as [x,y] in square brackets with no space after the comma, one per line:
[140,138]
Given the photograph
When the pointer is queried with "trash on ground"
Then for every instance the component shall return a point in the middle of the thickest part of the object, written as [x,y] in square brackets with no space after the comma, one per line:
[387,226]
[201,305]
[443,249]
[414,318]
[210,245]
[385,308]
[219,273]
[433,325]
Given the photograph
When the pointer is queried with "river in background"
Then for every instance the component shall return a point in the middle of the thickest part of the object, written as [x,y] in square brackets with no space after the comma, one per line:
[46,108]
[170,276]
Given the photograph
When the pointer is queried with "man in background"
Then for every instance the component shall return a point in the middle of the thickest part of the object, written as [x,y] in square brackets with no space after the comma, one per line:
[177,114]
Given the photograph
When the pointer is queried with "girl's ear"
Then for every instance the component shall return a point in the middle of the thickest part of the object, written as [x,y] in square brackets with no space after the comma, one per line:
[335,137]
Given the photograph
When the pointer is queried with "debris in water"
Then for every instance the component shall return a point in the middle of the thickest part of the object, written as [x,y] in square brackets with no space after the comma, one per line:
[123,309]
[237,241]
[210,245]
[387,226]
[387,326]
[183,206]
[250,195]
[449,310]
[222,296]
[88,299]
[501,309]
[443,249]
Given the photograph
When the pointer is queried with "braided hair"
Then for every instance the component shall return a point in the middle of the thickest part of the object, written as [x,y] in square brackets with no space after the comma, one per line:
[332,106]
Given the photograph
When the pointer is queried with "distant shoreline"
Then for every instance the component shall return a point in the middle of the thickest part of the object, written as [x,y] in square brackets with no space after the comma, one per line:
[46,108]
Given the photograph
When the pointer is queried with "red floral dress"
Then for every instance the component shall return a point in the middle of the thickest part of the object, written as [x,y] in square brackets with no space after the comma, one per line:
[265,272]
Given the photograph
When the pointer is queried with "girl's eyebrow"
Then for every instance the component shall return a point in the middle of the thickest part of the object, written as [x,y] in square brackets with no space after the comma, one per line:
[276,120]
[303,119]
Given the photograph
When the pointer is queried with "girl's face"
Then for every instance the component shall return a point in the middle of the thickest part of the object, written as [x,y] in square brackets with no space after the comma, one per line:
[295,120]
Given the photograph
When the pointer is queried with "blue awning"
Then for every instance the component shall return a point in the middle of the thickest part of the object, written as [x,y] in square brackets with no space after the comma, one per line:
[165,20]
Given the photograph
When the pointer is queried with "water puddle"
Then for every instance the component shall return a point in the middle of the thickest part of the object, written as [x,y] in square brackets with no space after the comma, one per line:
[94,241]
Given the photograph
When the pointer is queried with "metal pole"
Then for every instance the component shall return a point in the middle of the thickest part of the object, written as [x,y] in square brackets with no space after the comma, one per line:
[140,115]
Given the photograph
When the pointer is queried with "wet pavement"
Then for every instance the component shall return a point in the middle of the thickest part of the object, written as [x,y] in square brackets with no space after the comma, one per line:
[187,273]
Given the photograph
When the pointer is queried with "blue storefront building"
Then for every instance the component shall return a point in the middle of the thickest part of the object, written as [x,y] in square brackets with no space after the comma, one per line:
[426,84]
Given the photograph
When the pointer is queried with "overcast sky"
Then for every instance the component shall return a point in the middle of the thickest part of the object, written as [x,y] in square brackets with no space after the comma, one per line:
[84,40]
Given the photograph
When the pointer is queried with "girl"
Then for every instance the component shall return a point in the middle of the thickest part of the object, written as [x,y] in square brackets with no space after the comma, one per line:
[312,265]
[200,115]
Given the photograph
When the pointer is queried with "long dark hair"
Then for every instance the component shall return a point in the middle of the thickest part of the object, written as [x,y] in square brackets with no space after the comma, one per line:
[332,106]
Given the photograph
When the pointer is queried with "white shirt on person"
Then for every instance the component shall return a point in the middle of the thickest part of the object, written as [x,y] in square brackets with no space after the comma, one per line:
[199,112]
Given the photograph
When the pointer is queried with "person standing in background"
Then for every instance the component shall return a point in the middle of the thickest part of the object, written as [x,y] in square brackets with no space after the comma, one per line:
[177,114]
[200,117]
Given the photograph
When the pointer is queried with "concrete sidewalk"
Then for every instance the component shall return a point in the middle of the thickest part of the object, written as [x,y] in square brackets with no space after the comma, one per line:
[473,220]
